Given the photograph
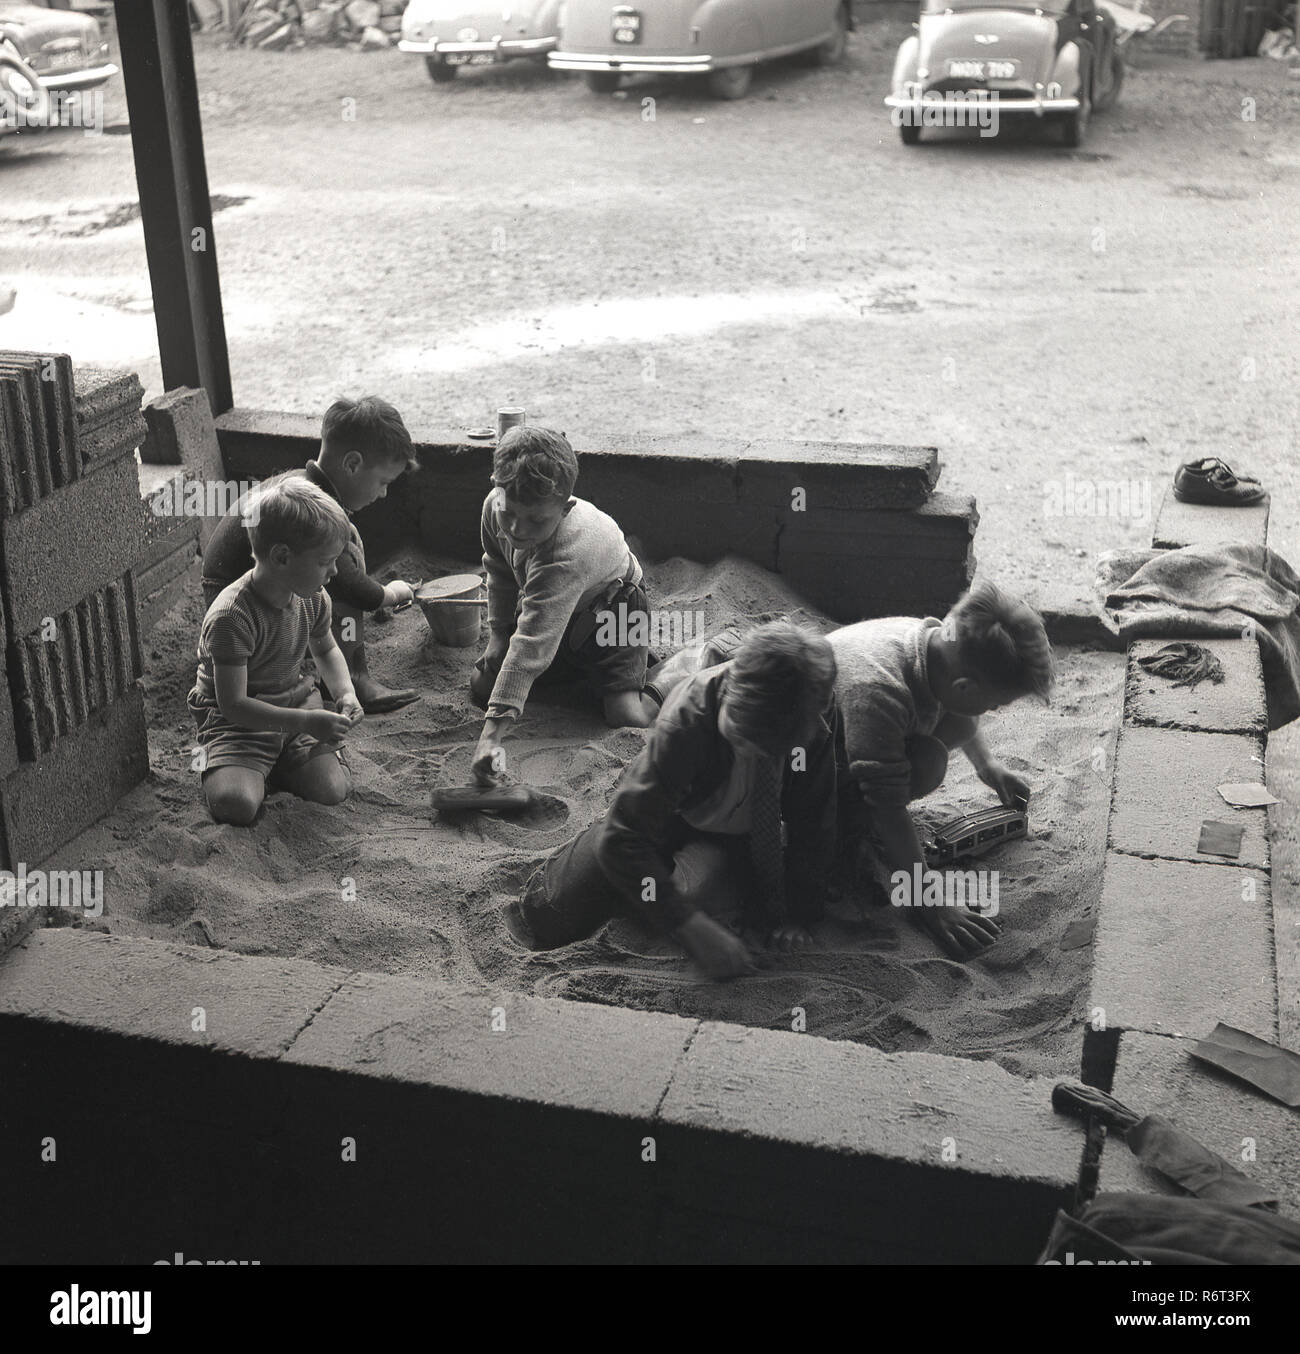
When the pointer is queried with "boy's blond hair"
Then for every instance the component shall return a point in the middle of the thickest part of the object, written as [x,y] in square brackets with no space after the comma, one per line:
[1001,642]
[290,510]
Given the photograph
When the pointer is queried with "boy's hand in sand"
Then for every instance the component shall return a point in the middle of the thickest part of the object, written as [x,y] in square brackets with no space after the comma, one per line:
[789,938]
[1011,789]
[959,933]
[325,726]
[719,953]
[489,764]
[398,593]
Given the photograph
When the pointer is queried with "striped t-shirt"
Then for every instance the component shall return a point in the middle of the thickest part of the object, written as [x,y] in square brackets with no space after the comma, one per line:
[242,629]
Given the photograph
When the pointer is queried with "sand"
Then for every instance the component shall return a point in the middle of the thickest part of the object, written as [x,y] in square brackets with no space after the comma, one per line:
[379,884]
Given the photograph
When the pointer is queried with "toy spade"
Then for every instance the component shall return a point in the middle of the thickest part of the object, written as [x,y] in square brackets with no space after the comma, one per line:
[483,798]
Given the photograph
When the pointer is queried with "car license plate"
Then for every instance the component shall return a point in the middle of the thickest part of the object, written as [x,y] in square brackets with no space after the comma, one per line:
[982,70]
[61,61]
[469,58]
[625,25]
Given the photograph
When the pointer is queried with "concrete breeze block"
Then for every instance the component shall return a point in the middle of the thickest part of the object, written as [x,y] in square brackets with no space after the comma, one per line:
[1159,1076]
[1178,948]
[601,1059]
[181,432]
[46,803]
[147,989]
[66,546]
[793,1088]
[59,395]
[93,659]
[1235,705]
[1179,524]
[1164,788]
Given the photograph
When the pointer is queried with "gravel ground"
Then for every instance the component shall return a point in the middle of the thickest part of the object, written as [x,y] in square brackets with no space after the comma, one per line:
[780,266]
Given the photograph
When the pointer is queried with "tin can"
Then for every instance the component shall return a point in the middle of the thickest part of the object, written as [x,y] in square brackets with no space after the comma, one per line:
[506,419]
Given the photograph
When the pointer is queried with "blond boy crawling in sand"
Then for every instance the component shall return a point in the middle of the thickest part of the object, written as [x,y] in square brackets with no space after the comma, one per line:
[911,691]
[259,718]
[555,565]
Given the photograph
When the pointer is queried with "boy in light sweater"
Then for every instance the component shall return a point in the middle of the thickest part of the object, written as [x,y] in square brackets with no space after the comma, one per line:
[564,594]
[913,690]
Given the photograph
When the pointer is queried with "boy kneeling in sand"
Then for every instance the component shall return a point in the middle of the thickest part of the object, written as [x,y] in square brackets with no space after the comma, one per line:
[258,717]
[912,690]
[555,564]
[693,835]
[364,447]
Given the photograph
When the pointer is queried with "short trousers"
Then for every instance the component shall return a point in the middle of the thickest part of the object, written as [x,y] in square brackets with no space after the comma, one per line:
[609,668]
[269,753]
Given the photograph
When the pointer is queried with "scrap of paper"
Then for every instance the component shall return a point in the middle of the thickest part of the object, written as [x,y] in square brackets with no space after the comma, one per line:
[1246,795]
[1220,839]
[1268,1067]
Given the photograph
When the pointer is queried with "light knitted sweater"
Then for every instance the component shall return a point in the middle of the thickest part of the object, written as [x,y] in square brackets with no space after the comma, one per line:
[533,593]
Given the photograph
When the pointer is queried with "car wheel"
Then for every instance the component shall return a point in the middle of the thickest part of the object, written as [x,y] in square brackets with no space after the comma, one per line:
[439,71]
[832,50]
[732,82]
[21,92]
[1116,77]
[603,82]
[910,133]
[1074,126]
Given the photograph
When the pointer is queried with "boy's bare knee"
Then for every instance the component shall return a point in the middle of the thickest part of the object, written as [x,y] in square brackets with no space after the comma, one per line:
[236,804]
[330,785]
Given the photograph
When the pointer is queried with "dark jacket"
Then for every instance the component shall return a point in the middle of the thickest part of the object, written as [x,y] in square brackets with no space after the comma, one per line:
[230,555]
[685,760]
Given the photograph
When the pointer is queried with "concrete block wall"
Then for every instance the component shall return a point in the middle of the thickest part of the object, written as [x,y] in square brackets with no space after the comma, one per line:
[856,527]
[74,740]
[567,1134]
[1185,939]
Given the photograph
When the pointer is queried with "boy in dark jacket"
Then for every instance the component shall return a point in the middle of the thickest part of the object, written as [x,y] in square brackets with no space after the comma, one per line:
[728,813]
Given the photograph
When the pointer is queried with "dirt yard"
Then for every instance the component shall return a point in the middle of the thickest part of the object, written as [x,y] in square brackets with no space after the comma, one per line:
[777,266]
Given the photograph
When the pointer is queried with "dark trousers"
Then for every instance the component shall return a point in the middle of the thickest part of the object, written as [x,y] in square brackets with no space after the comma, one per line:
[569,896]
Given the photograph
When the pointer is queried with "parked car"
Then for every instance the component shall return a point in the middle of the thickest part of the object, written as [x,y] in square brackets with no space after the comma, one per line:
[65,50]
[723,39]
[1053,59]
[43,53]
[23,103]
[450,34]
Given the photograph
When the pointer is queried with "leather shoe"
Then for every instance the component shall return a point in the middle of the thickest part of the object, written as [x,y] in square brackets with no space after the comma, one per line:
[1213,482]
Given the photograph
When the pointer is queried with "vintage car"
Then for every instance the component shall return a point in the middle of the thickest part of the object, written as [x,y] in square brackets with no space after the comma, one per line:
[450,34]
[65,50]
[723,39]
[1045,59]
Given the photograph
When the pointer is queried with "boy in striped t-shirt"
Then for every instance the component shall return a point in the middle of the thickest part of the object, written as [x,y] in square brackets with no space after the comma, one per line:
[260,719]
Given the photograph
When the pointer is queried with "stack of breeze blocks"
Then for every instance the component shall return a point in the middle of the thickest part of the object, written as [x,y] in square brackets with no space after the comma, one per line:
[72,729]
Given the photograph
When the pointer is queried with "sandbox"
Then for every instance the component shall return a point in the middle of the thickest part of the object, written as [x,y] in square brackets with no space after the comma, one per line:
[383,886]
[334,985]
